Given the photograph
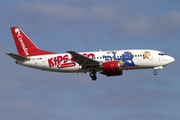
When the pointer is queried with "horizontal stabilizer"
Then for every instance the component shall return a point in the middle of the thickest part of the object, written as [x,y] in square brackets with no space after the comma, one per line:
[18,57]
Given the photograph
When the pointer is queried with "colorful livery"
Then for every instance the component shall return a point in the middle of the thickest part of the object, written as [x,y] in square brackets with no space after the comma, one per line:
[109,63]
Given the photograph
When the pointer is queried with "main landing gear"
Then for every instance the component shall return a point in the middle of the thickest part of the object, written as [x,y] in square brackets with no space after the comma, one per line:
[155,73]
[93,75]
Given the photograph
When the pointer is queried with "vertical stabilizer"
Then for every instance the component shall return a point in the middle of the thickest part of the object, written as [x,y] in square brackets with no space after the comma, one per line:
[25,46]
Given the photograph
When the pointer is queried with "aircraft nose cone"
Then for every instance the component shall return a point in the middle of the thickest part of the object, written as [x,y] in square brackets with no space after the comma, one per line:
[171,59]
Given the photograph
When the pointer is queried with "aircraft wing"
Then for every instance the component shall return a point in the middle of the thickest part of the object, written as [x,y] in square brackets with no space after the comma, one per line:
[83,60]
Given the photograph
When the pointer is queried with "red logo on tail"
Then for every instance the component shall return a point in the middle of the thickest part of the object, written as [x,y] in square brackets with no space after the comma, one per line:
[19,36]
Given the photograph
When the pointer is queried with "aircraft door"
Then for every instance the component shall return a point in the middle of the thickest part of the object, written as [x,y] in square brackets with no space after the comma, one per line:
[44,63]
[151,56]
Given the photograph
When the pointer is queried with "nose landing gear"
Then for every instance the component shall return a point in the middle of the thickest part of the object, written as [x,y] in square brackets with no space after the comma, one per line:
[93,75]
[155,73]
[157,68]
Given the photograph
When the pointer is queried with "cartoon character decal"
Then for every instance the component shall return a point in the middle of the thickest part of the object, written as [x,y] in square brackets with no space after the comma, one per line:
[126,59]
[146,54]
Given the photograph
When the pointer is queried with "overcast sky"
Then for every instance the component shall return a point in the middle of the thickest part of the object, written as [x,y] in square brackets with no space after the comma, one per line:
[90,25]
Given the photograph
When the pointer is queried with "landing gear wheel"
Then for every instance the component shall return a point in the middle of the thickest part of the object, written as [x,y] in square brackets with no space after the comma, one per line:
[93,75]
[155,73]
[94,78]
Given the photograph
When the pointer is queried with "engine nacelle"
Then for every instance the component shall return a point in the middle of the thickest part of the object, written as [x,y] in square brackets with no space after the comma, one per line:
[111,65]
[111,68]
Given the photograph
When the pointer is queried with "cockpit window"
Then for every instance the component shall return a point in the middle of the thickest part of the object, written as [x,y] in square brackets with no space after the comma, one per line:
[161,54]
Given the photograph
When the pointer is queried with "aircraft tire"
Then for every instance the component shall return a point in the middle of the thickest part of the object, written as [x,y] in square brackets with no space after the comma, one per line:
[94,78]
[91,74]
[155,73]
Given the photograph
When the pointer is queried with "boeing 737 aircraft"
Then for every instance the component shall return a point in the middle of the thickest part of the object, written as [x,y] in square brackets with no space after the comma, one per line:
[109,63]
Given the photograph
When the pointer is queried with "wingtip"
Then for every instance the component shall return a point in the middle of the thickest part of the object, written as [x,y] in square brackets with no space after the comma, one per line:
[70,51]
[7,53]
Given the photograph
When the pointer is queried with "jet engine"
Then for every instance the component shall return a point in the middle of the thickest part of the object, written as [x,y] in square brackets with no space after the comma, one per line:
[111,65]
[111,68]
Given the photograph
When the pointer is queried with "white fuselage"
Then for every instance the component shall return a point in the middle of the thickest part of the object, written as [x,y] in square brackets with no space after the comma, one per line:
[131,59]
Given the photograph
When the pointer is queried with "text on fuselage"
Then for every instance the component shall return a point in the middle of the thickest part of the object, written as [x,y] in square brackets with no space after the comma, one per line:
[64,59]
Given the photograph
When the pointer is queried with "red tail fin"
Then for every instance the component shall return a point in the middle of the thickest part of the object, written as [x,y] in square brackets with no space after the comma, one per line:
[24,45]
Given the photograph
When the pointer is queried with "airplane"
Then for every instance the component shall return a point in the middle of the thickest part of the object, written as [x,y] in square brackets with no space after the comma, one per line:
[109,63]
